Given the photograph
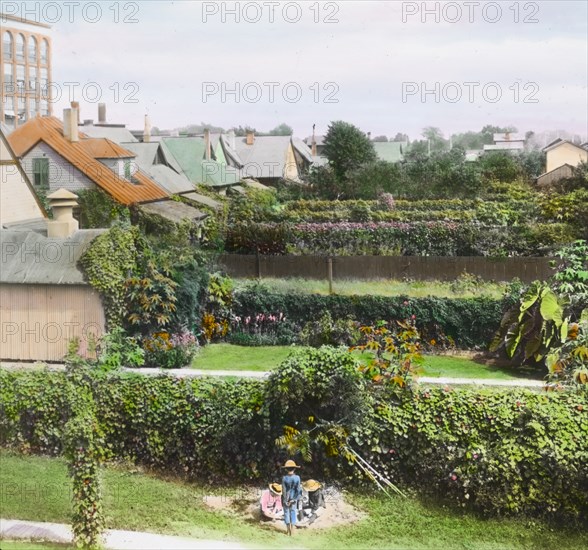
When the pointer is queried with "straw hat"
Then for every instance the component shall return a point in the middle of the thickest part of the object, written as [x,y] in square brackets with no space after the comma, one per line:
[275,488]
[291,464]
[311,485]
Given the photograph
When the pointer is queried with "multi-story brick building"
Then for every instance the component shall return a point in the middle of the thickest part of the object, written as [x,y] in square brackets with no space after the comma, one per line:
[25,70]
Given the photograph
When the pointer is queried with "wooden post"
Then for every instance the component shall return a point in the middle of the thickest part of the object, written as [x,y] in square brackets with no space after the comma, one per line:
[330,274]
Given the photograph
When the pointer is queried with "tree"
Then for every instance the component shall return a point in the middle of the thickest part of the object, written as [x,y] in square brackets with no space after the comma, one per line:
[400,137]
[435,138]
[380,138]
[488,132]
[281,130]
[347,147]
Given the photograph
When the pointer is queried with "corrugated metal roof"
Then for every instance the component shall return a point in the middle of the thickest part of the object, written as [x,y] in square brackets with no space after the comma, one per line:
[104,149]
[173,211]
[203,199]
[189,155]
[145,153]
[50,131]
[31,258]
[266,158]
[171,181]
[118,135]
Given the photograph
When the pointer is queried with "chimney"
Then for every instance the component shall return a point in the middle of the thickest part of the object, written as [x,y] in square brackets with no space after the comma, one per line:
[232,139]
[70,125]
[206,143]
[63,224]
[250,137]
[76,105]
[147,130]
[313,143]
[101,113]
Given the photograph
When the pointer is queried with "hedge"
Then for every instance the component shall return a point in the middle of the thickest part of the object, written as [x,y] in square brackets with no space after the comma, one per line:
[470,322]
[500,452]
[415,238]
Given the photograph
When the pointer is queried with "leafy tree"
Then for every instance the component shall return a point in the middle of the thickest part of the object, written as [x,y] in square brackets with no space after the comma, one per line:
[500,166]
[281,130]
[347,147]
[488,132]
[435,138]
[369,181]
[380,139]
[400,137]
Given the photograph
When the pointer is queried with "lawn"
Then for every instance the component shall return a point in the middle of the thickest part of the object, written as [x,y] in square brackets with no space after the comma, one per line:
[29,545]
[231,357]
[35,488]
[380,287]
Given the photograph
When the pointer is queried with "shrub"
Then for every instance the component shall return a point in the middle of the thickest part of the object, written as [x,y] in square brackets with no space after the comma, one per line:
[469,322]
[498,452]
[170,351]
[326,332]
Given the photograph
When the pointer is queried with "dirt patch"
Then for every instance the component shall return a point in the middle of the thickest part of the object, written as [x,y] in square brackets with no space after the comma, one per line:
[245,503]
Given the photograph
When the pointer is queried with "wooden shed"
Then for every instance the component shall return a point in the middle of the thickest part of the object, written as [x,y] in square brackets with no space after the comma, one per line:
[44,300]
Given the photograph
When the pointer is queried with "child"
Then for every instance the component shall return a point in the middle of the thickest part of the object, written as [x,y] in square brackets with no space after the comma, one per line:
[291,492]
[271,502]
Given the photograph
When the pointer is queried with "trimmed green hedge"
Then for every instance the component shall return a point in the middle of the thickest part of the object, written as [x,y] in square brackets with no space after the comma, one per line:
[470,322]
[497,452]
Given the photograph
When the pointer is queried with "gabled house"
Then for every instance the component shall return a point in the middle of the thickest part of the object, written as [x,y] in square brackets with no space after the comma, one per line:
[18,201]
[56,155]
[561,156]
[269,159]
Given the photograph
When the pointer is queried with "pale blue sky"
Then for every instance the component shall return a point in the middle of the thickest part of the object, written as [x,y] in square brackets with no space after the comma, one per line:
[367,53]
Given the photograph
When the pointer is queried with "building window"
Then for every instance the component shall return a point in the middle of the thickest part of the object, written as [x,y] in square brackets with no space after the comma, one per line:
[41,172]
[32,50]
[33,78]
[33,108]
[8,79]
[44,51]
[7,45]
[20,48]
[20,79]
[44,107]
[127,169]
[22,109]
[44,83]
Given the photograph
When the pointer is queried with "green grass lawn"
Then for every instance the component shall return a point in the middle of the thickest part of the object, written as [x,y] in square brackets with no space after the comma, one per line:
[36,488]
[30,545]
[231,357]
[379,287]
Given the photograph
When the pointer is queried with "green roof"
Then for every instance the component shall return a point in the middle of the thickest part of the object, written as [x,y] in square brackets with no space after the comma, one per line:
[390,151]
[189,154]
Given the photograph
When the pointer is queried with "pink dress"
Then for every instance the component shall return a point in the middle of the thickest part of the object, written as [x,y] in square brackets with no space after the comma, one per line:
[270,504]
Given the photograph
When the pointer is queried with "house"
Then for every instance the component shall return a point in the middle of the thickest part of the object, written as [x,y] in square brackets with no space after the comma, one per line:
[18,201]
[561,156]
[44,300]
[507,141]
[269,159]
[56,155]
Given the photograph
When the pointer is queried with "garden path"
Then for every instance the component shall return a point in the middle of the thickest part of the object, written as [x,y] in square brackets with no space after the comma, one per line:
[181,373]
[12,529]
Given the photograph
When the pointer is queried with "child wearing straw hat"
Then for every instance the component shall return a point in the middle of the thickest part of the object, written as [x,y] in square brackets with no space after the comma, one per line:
[291,493]
[314,504]
[271,502]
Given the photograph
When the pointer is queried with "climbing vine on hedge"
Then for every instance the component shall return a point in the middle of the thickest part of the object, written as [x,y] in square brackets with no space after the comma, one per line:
[108,263]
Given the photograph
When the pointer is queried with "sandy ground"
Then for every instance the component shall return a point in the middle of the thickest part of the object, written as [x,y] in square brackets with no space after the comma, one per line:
[246,504]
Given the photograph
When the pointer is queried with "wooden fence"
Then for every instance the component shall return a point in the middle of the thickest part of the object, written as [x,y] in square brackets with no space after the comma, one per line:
[441,268]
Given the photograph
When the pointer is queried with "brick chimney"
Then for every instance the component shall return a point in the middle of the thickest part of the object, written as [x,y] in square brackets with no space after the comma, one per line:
[70,125]
[101,113]
[147,130]
[250,138]
[207,144]
[63,224]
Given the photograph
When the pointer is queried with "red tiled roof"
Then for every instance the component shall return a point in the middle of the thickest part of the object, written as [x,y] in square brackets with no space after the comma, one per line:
[83,155]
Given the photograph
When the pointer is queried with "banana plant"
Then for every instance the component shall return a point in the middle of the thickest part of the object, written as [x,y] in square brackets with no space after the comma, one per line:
[538,324]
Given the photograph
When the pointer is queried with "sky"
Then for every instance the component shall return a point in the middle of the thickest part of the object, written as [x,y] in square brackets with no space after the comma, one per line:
[385,66]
